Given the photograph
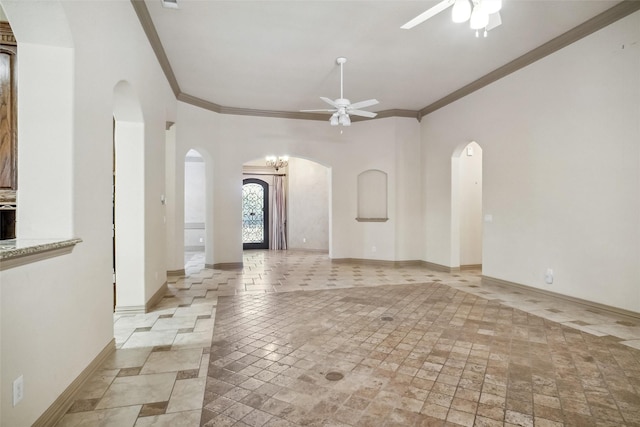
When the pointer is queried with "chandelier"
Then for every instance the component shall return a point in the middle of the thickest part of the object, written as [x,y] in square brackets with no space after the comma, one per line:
[277,162]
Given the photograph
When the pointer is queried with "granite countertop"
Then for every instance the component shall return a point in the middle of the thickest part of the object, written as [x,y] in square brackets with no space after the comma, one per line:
[15,248]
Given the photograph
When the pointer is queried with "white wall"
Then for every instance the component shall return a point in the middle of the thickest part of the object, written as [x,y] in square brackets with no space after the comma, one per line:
[61,50]
[406,210]
[561,169]
[233,140]
[308,205]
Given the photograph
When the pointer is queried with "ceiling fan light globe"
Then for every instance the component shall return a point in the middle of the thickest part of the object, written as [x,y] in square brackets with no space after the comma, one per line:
[479,17]
[492,6]
[461,11]
[334,120]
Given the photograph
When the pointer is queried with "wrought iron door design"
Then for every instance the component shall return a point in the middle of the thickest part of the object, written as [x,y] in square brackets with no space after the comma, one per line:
[255,214]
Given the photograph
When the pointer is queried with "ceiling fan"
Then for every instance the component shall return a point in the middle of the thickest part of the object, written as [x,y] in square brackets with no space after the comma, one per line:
[480,14]
[342,107]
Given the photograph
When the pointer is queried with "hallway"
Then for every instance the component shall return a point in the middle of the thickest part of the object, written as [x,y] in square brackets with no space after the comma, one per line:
[413,347]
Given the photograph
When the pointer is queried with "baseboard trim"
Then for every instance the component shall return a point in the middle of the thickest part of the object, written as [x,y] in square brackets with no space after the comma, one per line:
[156,298]
[471,267]
[315,251]
[440,267]
[228,266]
[61,405]
[173,273]
[486,280]
[130,309]
[378,262]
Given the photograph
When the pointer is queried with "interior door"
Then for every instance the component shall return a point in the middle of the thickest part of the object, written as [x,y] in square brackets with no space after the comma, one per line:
[255,214]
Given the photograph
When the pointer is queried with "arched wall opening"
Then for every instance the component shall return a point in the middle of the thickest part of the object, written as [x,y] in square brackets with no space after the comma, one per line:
[466,206]
[307,196]
[128,171]
[195,210]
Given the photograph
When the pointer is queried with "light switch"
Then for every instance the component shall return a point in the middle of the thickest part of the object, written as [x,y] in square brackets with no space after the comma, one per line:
[488,218]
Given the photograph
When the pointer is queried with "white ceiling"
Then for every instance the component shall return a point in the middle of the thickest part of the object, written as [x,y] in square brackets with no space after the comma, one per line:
[280,55]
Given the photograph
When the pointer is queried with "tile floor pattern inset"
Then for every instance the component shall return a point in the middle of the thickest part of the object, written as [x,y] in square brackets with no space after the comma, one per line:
[440,357]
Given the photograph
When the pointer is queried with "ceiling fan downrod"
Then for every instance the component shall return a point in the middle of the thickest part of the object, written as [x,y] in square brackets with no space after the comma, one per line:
[341,62]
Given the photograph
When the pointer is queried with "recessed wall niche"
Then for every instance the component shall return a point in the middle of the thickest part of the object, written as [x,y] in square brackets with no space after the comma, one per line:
[372,196]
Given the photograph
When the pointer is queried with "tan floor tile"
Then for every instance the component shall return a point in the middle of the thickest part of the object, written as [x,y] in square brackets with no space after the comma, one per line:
[139,389]
[150,339]
[116,417]
[172,361]
[187,395]
[178,419]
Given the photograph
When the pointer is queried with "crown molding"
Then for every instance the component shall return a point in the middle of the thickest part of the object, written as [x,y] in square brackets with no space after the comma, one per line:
[594,24]
[609,16]
[199,102]
[154,39]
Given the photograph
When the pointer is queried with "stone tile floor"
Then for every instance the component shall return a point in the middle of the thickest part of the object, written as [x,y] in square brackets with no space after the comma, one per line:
[414,347]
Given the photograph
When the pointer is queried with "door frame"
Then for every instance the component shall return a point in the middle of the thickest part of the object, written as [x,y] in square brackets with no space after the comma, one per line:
[265,214]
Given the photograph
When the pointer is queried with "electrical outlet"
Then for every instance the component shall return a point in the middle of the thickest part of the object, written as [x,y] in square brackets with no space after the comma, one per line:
[18,390]
[304,240]
[373,248]
[548,276]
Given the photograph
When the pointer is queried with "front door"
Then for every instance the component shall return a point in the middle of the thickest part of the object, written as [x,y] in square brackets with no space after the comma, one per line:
[255,214]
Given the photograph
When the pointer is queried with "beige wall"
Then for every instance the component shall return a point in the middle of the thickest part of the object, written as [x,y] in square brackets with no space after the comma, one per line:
[386,144]
[561,169]
[308,205]
[59,312]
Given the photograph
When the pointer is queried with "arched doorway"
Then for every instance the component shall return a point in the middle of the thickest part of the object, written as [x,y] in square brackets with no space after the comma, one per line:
[128,209]
[195,240]
[255,214]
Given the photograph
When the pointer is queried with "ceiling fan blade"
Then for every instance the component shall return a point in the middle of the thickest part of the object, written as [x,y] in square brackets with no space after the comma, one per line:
[363,104]
[428,14]
[329,101]
[363,113]
[495,20]
[318,111]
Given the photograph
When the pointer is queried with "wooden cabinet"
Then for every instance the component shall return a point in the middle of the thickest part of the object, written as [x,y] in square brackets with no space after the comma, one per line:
[8,119]
[8,132]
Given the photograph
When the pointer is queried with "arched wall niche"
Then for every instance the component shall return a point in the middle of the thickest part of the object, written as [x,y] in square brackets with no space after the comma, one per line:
[372,196]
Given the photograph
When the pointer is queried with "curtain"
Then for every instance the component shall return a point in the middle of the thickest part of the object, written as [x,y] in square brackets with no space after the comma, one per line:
[279,215]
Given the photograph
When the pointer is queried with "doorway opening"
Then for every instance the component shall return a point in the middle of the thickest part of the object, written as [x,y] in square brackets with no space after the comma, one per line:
[255,214]
[195,232]
[128,204]
[466,206]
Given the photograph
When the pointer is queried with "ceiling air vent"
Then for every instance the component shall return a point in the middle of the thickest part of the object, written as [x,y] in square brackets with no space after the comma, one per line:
[171,4]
